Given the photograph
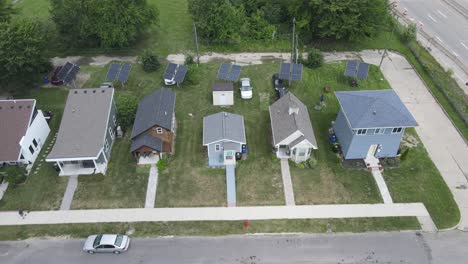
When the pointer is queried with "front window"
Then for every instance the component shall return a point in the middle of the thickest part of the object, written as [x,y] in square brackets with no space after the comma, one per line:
[159,130]
[31,149]
[35,143]
[362,131]
[217,147]
[397,130]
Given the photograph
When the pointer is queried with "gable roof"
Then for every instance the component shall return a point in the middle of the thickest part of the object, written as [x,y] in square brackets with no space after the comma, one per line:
[84,123]
[15,116]
[156,108]
[223,87]
[283,124]
[223,126]
[376,108]
[146,140]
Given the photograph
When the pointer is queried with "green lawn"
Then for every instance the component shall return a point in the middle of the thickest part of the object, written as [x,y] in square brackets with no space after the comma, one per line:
[212,228]
[44,190]
[418,180]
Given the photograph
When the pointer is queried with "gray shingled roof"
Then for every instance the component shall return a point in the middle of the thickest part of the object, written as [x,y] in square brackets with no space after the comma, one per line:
[378,108]
[14,122]
[283,124]
[223,87]
[146,140]
[223,126]
[84,123]
[155,109]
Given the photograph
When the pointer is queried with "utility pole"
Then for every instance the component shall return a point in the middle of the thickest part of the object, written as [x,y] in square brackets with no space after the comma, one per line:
[196,42]
[391,5]
[297,48]
[293,32]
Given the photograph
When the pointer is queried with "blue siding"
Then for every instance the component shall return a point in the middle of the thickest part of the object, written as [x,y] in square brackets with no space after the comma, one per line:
[360,144]
[216,158]
[343,132]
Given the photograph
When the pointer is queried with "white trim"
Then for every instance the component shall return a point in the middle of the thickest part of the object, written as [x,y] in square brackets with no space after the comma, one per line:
[112,103]
[271,126]
[72,159]
[217,147]
[225,140]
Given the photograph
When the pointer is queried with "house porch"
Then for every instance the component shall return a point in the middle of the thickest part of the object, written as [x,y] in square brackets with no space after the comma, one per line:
[84,167]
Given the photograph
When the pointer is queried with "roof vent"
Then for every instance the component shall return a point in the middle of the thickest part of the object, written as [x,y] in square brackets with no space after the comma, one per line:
[293,110]
[85,91]
[102,91]
[28,106]
[225,114]
[75,92]
[374,112]
[11,107]
[20,107]
[165,112]
[94,91]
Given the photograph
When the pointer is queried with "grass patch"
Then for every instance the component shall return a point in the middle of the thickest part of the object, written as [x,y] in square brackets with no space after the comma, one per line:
[212,228]
[418,180]
[124,185]
[44,190]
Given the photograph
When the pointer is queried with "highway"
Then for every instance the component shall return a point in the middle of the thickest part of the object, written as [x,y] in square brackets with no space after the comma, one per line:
[447,26]
[396,247]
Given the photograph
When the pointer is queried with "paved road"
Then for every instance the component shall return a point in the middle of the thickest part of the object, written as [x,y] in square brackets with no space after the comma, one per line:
[443,22]
[406,247]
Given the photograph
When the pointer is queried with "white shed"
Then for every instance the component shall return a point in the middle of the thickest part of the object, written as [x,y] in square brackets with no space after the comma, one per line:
[223,94]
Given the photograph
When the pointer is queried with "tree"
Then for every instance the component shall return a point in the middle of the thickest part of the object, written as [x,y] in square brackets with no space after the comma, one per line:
[409,33]
[218,20]
[6,10]
[14,175]
[104,23]
[23,46]
[340,20]
[314,58]
[259,28]
[126,110]
[149,61]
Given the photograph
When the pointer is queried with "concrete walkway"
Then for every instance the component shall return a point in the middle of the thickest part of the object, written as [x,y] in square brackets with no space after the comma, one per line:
[447,149]
[287,183]
[383,189]
[152,187]
[69,193]
[218,214]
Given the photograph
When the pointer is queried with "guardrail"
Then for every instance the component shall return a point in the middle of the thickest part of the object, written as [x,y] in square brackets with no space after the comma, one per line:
[434,42]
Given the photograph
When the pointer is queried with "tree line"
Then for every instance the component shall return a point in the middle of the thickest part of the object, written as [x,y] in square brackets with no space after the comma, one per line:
[225,21]
[24,42]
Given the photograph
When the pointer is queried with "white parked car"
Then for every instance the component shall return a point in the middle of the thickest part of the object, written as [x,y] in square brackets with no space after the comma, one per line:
[106,85]
[106,243]
[246,89]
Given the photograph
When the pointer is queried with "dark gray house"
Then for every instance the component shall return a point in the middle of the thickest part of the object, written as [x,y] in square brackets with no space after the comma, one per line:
[154,127]
[371,123]
[86,133]
[223,135]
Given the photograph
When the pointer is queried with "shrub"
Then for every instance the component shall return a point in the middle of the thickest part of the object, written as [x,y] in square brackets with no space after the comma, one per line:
[409,33]
[311,163]
[189,59]
[192,76]
[149,61]
[162,164]
[314,58]
[14,175]
[404,155]
[126,110]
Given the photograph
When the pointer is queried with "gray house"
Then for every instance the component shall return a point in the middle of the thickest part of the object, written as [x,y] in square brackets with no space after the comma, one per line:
[223,135]
[293,135]
[371,123]
[86,133]
[154,127]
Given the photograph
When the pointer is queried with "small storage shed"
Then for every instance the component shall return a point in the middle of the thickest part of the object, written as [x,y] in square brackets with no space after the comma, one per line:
[223,94]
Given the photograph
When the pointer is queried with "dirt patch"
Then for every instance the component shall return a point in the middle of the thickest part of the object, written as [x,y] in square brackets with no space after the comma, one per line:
[93,61]
[409,141]
[82,78]
[245,58]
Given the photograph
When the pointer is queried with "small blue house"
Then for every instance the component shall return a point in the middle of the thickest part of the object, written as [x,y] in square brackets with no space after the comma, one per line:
[371,123]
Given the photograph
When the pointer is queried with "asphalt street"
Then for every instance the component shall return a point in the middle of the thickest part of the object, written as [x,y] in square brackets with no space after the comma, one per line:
[441,21]
[397,247]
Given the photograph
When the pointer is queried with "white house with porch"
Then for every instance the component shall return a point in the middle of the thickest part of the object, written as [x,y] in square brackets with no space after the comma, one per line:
[87,132]
[293,135]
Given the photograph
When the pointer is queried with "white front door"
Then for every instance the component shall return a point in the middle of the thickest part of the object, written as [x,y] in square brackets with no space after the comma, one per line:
[222,99]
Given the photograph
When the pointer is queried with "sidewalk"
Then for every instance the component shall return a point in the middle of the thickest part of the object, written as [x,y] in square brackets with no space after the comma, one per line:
[447,149]
[219,214]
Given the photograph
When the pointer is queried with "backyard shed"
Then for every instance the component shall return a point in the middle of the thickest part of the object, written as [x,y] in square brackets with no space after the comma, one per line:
[223,94]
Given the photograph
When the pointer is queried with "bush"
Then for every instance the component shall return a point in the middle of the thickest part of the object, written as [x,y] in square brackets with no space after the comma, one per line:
[314,58]
[192,76]
[404,155]
[409,33]
[189,59]
[162,164]
[311,163]
[126,110]
[14,175]
[149,61]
